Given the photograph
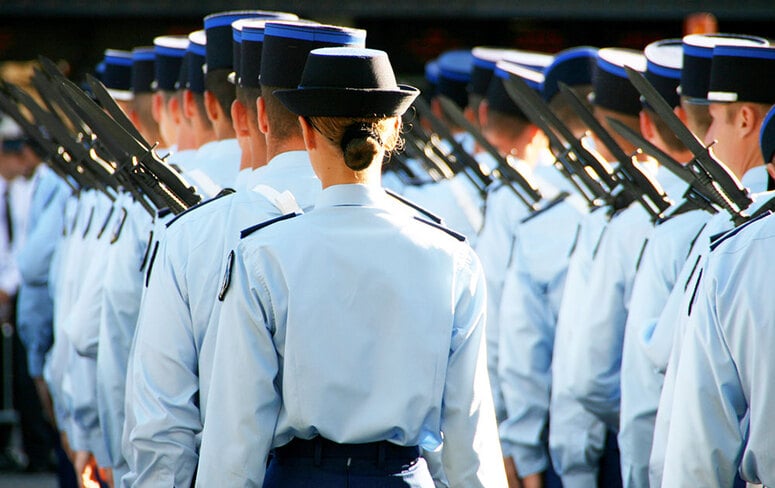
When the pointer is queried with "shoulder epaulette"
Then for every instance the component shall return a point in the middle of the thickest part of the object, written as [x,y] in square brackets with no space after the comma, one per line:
[221,194]
[144,261]
[88,223]
[150,263]
[163,212]
[430,215]
[119,226]
[246,232]
[559,198]
[694,293]
[106,222]
[719,238]
[459,237]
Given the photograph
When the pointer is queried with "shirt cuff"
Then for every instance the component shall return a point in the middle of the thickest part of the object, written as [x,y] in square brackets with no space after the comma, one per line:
[528,459]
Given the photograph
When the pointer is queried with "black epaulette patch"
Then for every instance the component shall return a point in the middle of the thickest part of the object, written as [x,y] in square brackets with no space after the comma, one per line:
[150,263]
[719,238]
[222,193]
[459,237]
[694,241]
[119,226]
[691,273]
[163,212]
[88,223]
[107,221]
[599,241]
[694,293]
[559,198]
[575,240]
[226,277]
[430,215]
[147,251]
[640,256]
[246,232]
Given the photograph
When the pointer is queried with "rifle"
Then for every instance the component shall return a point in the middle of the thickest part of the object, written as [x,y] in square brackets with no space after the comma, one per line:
[508,173]
[47,150]
[99,173]
[459,158]
[708,171]
[162,185]
[641,186]
[588,172]
[428,151]
[697,196]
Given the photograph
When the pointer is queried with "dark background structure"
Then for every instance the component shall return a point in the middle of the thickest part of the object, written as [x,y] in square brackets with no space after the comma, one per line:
[412,31]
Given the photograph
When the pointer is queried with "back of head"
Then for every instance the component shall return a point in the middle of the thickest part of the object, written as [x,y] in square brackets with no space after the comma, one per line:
[283,56]
[350,96]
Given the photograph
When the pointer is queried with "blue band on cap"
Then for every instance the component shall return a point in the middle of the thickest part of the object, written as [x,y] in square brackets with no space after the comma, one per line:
[236,35]
[197,49]
[212,21]
[659,70]
[762,52]
[571,54]
[252,34]
[118,60]
[767,136]
[698,51]
[454,75]
[317,33]
[612,68]
[484,63]
[169,52]
[146,55]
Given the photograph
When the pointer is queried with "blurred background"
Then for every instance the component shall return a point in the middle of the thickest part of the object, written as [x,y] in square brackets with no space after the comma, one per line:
[412,31]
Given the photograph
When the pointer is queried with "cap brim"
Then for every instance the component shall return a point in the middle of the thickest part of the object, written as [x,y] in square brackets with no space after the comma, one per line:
[342,102]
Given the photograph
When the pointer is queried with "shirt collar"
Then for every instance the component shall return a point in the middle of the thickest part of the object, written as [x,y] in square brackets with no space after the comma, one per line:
[353,195]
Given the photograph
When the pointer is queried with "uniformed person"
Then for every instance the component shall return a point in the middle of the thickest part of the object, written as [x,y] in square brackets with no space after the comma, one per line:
[735,127]
[172,354]
[313,376]
[722,386]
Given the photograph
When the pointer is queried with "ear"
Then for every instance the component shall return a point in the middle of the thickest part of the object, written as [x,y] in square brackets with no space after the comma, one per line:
[211,106]
[484,110]
[239,119]
[747,120]
[176,111]
[263,120]
[680,112]
[157,106]
[189,109]
[646,126]
[308,133]
[135,118]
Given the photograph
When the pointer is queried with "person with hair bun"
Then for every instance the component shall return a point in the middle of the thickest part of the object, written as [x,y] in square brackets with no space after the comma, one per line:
[351,336]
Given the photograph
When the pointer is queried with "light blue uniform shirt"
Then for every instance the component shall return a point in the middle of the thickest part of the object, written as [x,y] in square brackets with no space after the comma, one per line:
[577,438]
[595,360]
[532,293]
[169,368]
[662,346]
[35,309]
[220,161]
[724,386]
[120,305]
[668,248]
[503,214]
[275,366]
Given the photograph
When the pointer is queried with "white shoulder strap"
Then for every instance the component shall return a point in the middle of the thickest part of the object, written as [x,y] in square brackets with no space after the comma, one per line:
[284,201]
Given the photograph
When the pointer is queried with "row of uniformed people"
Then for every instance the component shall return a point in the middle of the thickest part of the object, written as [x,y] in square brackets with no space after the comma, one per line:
[281,204]
[589,355]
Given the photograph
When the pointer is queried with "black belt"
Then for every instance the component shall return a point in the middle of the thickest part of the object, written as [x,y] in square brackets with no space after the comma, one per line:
[320,448]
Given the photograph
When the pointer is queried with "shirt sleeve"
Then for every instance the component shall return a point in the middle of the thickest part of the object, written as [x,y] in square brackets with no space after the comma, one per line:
[163,422]
[244,400]
[705,440]
[472,454]
[526,343]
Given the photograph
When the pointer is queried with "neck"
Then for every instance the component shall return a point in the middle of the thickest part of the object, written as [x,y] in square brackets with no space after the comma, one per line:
[275,147]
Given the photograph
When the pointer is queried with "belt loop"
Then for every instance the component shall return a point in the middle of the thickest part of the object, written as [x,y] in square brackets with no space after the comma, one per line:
[318,452]
[381,452]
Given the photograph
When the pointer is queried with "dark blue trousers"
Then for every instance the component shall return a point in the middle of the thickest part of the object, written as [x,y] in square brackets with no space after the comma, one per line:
[316,464]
